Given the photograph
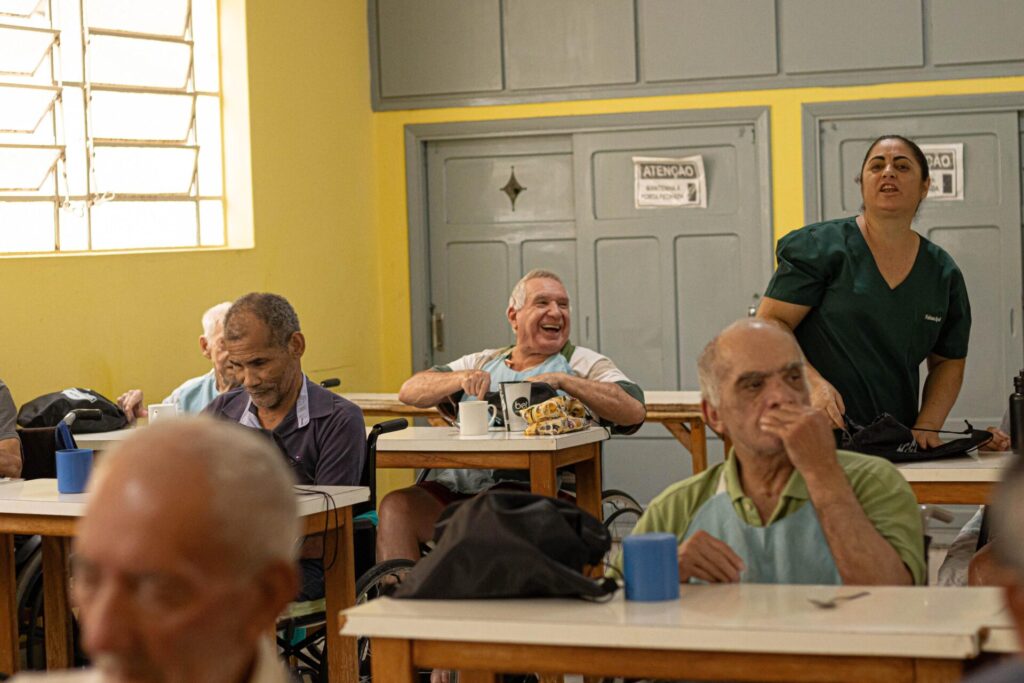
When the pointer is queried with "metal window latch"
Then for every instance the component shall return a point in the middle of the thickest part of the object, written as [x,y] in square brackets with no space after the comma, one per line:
[437,330]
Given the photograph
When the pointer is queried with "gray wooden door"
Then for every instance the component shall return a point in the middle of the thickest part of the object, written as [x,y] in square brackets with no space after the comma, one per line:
[481,242]
[982,233]
[657,284]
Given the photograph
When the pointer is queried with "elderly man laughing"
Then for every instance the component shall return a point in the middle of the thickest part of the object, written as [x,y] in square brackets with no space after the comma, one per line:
[785,506]
[538,312]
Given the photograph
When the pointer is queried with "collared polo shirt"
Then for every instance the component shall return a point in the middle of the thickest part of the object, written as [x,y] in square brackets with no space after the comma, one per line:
[323,434]
[883,493]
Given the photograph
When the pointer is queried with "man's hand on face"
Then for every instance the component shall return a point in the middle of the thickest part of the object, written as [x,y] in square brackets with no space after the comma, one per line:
[805,432]
[476,383]
[555,379]
[705,557]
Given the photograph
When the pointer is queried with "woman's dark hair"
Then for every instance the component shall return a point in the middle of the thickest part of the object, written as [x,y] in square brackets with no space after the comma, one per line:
[919,157]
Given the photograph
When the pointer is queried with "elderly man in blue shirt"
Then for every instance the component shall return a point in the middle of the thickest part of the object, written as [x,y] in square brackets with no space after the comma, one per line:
[196,393]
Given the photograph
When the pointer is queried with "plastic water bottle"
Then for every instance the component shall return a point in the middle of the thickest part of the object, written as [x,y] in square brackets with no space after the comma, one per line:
[1017,414]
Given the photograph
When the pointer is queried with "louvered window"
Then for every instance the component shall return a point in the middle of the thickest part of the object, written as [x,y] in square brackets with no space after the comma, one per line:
[110,125]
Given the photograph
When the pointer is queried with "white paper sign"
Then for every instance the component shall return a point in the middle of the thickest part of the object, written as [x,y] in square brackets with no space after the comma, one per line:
[670,182]
[946,168]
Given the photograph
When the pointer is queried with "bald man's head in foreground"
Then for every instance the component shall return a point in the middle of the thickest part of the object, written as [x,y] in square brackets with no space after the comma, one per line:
[186,553]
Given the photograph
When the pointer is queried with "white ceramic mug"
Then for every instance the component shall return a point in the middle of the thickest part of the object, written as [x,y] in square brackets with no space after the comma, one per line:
[475,417]
[514,397]
[161,411]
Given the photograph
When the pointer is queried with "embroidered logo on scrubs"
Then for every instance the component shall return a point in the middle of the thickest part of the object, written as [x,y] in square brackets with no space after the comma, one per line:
[933,318]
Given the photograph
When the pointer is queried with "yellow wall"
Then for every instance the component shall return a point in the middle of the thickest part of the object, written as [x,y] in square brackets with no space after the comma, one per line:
[112,322]
[786,151]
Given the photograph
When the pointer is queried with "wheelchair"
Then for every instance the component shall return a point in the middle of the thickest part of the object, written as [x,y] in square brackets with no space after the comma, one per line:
[301,629]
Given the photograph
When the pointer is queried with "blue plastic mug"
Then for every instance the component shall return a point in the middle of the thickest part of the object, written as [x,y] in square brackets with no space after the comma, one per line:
[650,567]
[73,468]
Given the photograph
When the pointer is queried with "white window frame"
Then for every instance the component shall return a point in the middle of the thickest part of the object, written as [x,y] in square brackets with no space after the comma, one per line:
[235,141]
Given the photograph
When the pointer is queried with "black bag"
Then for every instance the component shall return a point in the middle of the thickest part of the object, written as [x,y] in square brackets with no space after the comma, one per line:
[449,407]
[49,409]
[511,544]
[887,437]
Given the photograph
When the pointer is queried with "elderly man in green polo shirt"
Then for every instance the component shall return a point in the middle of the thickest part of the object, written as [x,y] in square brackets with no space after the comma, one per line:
[785,506]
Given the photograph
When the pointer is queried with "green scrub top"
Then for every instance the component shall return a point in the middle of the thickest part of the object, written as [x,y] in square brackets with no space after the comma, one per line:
[866,339]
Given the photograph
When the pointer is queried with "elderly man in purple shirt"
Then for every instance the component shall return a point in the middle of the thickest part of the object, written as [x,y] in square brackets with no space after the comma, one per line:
[322,434]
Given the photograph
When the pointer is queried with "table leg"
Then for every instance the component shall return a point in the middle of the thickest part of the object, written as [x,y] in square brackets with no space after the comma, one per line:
[392,660]
[8,606]
[691,434]
[543,474]
[56,607]
[588,482]
[340,593]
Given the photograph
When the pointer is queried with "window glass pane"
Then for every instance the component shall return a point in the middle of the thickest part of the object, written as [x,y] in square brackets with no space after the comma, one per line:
[74,228]
[134,116]
[26,226]
[211,223]
[139,170]
[162,17]
[211,179]
[16,11]
[22,51]
[204,33]
[67,16]
[25,169]
[72,132]
[138,225]
[133,61]
[24,109]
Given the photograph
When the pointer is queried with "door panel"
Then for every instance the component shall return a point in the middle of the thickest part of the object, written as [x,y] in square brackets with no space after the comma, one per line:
[721,255]
[982,233]
[481,243]
[627,273]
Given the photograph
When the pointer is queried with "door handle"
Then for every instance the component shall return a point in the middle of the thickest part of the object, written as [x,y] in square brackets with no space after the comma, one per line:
[437,331]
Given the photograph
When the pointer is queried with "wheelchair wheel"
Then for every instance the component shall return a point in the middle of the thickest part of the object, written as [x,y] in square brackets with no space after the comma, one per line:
[620,524]
[380,579]
[613,500]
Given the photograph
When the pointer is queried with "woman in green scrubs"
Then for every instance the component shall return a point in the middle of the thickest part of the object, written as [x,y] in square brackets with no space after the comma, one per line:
[869,300]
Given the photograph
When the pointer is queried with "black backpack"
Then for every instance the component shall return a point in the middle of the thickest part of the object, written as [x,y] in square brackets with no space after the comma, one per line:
[49,409]
[511,544]
[888,438]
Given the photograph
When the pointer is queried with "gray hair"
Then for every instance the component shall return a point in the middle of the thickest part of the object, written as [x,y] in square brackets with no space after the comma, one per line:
[255,505]
[708,364]
[272,309]
[214,314]
[1007,515]
[518,298]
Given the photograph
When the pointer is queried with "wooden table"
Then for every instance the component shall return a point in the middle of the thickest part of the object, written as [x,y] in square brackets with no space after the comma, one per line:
[733,632]
[678,411]
[953,481]
[35,507]
[542,456]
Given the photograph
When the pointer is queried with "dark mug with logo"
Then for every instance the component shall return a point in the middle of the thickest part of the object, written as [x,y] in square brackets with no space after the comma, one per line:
[514,397]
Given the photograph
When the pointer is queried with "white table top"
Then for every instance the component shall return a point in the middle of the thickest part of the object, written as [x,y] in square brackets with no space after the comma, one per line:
[891,621]
[652,399]
[989,467]
[100,441]
[448,440]
[40,497]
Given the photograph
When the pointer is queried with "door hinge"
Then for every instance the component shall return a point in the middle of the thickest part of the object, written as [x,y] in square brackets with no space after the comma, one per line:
[437,330]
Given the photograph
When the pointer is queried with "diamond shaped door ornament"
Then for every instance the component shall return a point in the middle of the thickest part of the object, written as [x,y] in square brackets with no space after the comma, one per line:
[512,188]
